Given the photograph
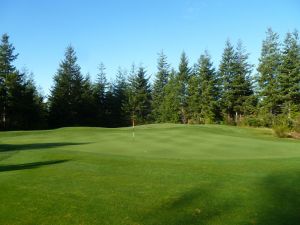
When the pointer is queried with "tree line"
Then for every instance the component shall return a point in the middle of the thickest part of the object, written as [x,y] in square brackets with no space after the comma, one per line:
[234,93]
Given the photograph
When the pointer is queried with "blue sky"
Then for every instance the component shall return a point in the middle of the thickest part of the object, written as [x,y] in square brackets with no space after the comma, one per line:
[119,33]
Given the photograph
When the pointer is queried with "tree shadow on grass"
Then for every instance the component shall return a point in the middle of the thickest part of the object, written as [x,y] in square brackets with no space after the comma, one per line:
[33,165]
[34,146]
[195,207]
[280,197]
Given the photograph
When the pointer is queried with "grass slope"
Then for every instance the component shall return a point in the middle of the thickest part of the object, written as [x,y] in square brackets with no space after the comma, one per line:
[167,174]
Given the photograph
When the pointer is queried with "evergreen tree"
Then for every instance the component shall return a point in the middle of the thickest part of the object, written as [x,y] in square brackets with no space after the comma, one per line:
[172,106]
[7,69]
[110,107]
[158,94]
[99,93]
[66,99]
[32,111]
[242,84]
[183,79]
[88,110]
[227,73]
[193,98]
[120,89]
[208,89]
[268,68]
[139,96]
[289,76]
[21,105]
[129,105]
[236,82]
[14,101]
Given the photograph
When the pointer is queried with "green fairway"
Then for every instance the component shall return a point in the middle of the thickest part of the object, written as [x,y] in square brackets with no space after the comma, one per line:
[165,175]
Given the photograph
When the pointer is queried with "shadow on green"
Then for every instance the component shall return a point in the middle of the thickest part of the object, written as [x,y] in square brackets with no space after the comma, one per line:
[21,147]
[276,202]
[197,206]
[33,165]
[280,199]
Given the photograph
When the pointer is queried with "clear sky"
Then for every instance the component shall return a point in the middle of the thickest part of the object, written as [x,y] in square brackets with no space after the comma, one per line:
[119,33]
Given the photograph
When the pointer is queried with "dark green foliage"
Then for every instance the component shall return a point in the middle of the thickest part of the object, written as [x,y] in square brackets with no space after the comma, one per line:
[68,99]
[158,93]
[99,93]
[109,108]
[203,92]
[88,108]
[183,79]
[296,124]
[21,106]
[252,121]
[172,107]
[194,98]
[268,68]
[237,93]
[227,73]
[7,57]
[189,95]
[29,110]
[121,118]
[289,75]
[282,126]
[7,70]
[243,83]
[139,96]
[209,89]
[279,80]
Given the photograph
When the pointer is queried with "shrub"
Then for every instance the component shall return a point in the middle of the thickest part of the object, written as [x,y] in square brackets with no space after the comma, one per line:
[229,121]
[252,121]
[268,119]
[281,131]
[196,120]
[297,124]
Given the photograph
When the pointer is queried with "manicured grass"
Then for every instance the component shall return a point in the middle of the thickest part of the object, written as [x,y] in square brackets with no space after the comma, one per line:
[167,174]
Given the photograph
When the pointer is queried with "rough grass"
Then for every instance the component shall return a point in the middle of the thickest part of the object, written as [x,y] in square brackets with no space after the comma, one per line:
[167,174]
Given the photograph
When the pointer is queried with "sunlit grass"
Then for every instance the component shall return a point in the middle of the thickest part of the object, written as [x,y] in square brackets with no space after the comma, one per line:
[166,174]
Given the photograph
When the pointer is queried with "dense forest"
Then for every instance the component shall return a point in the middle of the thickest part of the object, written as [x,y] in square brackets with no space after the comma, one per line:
[235,93]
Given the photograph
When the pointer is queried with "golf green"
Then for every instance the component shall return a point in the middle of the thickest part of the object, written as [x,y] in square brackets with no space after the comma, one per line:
[164,175]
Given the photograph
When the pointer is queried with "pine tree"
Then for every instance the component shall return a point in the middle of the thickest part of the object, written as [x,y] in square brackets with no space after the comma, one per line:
[110,107]
[32,109]
[139,97]
[235,72]
[158,94]
[88,110]
[21,106]
[289,76]
[66,99]
[268,68]
[172,106]
[227,73]
[7,69]
[120,88]
[99,93]
[14,101]
[183,79]
[193,98]
[208,89]
[242,83]
[7,57]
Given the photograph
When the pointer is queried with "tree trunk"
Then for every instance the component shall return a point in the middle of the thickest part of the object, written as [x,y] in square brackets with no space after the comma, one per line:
[289,111]
[4,117]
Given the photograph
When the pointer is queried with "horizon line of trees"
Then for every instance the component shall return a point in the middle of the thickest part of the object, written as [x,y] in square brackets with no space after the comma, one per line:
[194,94]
